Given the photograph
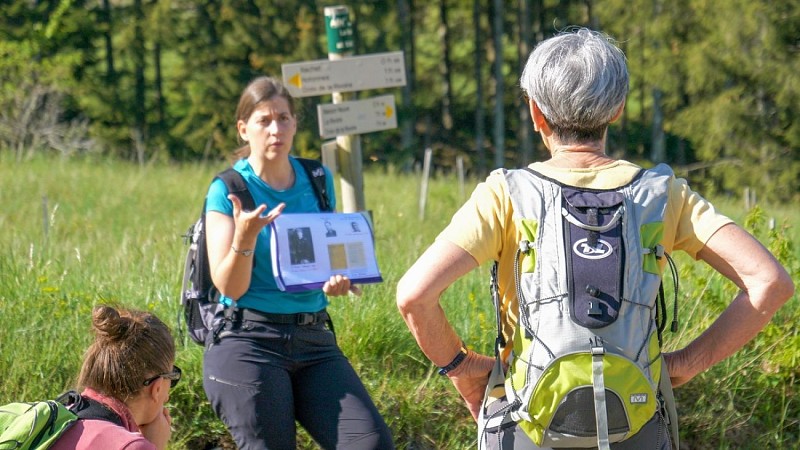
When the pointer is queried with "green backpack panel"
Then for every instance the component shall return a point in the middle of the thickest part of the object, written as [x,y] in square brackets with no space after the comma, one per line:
[34,425]
[38,425]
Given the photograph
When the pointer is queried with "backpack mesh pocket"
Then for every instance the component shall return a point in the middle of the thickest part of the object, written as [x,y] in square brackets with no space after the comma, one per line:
[562,405]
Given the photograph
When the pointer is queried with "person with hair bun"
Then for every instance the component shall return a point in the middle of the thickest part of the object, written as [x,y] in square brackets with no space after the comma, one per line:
[128,370]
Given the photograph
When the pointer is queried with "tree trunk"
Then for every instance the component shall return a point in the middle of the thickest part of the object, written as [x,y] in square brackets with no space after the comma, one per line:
[642,62]
[444,69]
[499,112]
[524,134]
[537,34]
[594,23]
[537,11]
[658,148]
[139,108]
[480,112]
[111,73]
[158,85]
[406,20]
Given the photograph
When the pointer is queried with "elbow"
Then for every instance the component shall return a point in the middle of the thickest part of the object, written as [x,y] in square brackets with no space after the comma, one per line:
[785,287]
[778,290]
[234,296]
[408,297]
[228,289]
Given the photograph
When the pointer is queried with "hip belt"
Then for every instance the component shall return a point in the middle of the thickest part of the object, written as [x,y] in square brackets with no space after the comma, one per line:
[303,318]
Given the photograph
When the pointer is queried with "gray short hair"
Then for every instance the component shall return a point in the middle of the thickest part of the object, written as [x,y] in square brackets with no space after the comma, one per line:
[579,80]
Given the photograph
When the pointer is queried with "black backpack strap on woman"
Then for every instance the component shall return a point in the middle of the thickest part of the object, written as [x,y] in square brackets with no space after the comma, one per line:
[86,408]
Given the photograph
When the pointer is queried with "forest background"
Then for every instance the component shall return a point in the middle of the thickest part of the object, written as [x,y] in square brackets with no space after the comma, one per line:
[107,105]
[714,84]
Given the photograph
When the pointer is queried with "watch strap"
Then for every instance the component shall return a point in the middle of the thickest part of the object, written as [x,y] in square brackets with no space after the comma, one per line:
[247,252]
[457,360]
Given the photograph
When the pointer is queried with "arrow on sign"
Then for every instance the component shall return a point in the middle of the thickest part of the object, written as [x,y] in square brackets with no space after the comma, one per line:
[296,81]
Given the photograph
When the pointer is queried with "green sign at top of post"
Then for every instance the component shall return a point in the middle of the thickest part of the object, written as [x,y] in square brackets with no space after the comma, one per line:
[339,29]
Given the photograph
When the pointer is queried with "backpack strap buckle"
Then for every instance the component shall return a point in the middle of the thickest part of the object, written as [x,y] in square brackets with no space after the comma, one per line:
[658,251]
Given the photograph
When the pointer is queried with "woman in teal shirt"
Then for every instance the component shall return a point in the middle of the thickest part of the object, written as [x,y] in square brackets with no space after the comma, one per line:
[276,361]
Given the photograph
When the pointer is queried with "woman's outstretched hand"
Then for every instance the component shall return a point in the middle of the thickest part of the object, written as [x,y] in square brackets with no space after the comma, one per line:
[249,223]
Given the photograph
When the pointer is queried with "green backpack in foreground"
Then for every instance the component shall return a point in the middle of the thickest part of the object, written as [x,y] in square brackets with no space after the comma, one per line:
[38,425]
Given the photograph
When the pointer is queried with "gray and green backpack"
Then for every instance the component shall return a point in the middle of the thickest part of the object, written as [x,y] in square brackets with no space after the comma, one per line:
[585,369]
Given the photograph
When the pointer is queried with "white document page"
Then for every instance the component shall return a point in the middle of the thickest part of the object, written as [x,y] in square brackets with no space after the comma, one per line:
[308,248]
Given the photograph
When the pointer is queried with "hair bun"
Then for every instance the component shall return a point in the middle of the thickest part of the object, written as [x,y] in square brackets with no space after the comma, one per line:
[109,324]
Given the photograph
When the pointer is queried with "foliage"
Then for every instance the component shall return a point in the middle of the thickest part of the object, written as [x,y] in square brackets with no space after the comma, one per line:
[78,232]
[159,80]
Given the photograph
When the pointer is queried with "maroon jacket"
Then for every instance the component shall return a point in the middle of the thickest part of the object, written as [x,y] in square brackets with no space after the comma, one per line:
[92,434]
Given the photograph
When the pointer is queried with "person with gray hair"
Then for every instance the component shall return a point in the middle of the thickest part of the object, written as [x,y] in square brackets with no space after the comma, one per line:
[552,225]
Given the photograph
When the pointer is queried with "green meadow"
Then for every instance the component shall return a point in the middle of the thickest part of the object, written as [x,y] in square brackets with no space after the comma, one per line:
[79,232]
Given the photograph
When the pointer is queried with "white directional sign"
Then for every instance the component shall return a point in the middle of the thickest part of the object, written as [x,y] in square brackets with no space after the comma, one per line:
[356,73]
[357,117]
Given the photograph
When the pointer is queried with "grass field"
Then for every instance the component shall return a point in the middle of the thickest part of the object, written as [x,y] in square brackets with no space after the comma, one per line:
[78,233]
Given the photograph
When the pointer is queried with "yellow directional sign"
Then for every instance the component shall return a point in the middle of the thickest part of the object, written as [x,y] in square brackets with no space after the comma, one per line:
[357,117]
[350,74]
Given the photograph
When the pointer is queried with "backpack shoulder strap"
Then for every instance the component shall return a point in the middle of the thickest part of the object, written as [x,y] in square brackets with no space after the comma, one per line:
[316,174]
[236,185]
[86,408]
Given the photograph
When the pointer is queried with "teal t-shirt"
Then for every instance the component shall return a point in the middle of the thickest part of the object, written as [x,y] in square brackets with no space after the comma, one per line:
[263,293]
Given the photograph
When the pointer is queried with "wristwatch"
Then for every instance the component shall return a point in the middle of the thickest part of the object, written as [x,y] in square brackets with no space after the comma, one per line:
[460,357]
[243,252]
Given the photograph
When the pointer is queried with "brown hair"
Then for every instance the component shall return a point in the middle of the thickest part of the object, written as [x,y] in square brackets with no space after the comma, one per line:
[129,347]
[258,91]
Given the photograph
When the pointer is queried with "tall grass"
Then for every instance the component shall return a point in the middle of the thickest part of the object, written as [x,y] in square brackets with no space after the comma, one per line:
[78,233]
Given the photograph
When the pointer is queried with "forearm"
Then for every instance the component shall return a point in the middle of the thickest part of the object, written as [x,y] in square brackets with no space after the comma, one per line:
[227,246]
[733,329]
[435,336]
[765,287]
[418,293]
[232,276]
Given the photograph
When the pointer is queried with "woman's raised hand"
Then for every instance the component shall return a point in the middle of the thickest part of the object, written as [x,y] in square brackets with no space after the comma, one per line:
[249,223]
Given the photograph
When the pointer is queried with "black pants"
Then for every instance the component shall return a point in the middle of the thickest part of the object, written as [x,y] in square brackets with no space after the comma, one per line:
[261,377]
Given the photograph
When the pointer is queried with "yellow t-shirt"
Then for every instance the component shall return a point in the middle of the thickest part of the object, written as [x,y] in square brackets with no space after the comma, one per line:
[485,228]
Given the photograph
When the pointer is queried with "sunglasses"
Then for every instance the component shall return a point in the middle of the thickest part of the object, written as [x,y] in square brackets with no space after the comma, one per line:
[174,376]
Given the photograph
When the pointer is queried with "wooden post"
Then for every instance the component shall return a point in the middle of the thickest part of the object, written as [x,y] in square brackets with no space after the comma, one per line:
[460,174]
[746,195]
[330,149]
[339,30]
[426,173]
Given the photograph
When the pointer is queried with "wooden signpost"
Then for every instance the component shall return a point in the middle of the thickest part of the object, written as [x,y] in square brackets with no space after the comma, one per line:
[339,75]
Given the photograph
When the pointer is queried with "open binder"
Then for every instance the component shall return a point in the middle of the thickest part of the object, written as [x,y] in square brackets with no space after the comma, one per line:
[308,248]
